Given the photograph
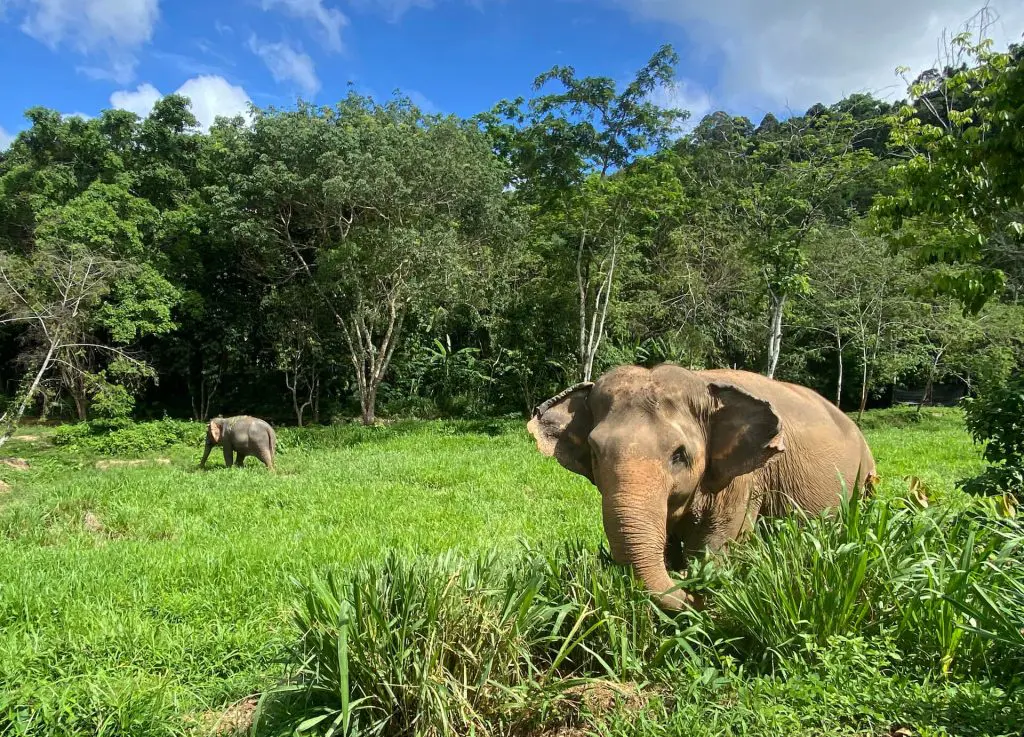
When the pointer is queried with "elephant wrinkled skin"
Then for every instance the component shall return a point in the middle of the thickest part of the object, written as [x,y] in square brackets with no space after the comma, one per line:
[687,460]
[244,436]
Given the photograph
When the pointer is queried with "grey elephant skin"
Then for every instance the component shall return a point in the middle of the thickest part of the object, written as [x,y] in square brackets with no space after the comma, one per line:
[241,437]
[687,460]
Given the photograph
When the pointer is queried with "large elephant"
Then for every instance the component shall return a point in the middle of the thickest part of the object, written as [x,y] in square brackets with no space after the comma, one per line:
[244,436]
[687,460]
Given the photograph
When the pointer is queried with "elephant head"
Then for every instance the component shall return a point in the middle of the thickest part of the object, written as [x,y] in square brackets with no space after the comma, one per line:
[215,431]
[650,440]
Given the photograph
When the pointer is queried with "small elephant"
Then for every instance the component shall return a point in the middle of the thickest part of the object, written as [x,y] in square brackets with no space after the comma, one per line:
[687,460]
[243,435]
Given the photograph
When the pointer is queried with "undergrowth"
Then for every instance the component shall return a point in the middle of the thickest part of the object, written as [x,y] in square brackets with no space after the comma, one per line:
[490,646]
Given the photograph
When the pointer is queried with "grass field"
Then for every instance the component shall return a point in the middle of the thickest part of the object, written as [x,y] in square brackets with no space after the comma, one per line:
[144,600]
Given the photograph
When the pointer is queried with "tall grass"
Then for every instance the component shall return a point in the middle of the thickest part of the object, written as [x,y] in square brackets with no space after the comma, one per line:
[885,569]
[442,646]
[445,645]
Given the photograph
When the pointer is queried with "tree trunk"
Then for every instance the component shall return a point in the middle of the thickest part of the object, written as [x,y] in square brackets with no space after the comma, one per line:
[81,403]
[839,381]
[598,318]
[864,385]
[775,338]
[369,405]
[929,386]
[370,361]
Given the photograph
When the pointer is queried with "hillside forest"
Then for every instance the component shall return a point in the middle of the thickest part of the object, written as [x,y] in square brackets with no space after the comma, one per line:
[368,259]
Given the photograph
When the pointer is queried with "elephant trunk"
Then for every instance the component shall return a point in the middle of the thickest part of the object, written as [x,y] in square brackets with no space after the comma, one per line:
[635,515]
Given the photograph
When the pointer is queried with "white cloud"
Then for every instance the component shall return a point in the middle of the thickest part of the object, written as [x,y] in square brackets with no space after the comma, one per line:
[424,103]
[782,53]
[6,139]
[115,29]
[330,20]
[140,101]
[287,64]
[684,95]
[210,95]
[83,116]
[394,9]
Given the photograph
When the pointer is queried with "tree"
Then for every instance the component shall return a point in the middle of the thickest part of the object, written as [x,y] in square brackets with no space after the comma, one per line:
[861,297]
[784,185]
[57,295]
[960,197]
[375,210]
[566,146]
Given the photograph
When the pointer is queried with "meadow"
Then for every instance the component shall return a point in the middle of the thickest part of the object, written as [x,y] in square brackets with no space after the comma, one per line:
[158,599]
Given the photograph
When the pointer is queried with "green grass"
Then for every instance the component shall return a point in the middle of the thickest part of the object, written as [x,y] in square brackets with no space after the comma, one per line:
[140,600]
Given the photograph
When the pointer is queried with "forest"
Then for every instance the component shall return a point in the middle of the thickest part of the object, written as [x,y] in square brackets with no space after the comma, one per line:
[367,259]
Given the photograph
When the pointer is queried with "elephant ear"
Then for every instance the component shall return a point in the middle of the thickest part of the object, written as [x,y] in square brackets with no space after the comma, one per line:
[215,429]
[561,426]
[744,433]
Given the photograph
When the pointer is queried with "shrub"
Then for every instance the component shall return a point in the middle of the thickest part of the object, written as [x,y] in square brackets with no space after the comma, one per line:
[123,437]
[444,645]
[996,418]
[885,569]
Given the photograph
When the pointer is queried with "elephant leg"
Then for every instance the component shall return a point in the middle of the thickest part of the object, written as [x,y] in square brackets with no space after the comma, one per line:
[229,455]
[266,457]
[240,459]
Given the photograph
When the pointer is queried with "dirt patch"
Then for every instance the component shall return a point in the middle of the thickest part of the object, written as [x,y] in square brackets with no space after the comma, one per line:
[104,465]
[18,464]
[602,696]
[237,719]
[26,438]
[5,488]
[92,523]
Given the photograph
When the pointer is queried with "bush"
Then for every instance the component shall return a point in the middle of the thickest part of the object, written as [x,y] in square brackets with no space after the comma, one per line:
[996,418]
[123,437]
[443,645]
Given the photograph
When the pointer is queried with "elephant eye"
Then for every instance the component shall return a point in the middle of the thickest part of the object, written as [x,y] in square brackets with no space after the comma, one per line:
[681,457]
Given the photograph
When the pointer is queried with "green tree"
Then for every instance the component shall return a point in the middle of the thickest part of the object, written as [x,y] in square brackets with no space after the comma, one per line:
[567,148]
[960,196]
[377,210]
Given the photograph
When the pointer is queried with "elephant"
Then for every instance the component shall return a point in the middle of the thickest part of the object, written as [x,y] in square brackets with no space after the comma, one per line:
[243,435]
[685,461]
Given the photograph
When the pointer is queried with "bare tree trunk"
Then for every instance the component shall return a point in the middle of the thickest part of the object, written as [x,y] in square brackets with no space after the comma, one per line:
[865,375]
[929,386]
[598,318]
[315,399]
[839,360]
[371,361]
[775,337]
[581,283]
[9,421]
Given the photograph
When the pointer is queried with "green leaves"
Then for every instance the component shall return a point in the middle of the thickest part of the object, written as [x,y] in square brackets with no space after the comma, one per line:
[963,178]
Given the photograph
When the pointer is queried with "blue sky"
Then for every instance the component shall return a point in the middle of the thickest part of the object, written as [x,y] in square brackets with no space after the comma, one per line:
[745,56]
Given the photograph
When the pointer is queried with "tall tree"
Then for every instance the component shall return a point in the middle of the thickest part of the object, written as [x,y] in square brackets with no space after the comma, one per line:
[566,146]
[374,209]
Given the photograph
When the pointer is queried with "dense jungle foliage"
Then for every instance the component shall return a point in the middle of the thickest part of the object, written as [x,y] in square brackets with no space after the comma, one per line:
[319,262]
